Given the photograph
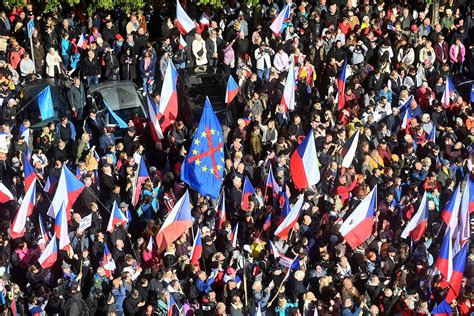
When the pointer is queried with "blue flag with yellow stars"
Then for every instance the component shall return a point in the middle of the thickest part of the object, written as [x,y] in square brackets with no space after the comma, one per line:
[203,167]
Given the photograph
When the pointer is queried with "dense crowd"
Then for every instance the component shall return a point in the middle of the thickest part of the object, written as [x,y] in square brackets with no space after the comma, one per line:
[393,50]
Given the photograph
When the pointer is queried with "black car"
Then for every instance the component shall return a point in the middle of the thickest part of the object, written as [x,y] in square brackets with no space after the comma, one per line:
[194,85]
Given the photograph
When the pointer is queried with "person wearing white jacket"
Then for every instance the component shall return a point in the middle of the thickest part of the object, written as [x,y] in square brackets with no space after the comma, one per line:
[199,50]
[281,62]
[52,63]
[263,61]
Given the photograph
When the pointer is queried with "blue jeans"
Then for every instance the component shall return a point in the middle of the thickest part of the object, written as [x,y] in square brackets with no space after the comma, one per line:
[91,80]
[263,74]
[147,86]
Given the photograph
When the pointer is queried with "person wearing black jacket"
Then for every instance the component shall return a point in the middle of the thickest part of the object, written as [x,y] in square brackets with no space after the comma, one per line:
[91,68]
[109,32]
[132,303]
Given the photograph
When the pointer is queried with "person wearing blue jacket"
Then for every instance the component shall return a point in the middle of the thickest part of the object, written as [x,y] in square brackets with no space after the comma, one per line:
[147,71]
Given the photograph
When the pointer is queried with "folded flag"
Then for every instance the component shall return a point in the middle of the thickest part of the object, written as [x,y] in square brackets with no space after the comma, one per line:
[108,262]
[5,194]
[153,119]
[221,211]
[142,176]
[442,309]
[61,229]
[432,135]
[418,223]
[288,97]
[121,123]
[247,192]
[182,42]
[451,210]
[464,230]
[277,24]
[341,87]
[232,90]
[268,222]
[203,167]
[357,228]
[448,93]
[51,184]
[169,97]
[234,235]
[444,262]
[183,21]
[50,254]
[283,230]
[29,171]
[179,220]
[196,252]
[304,164]
[349,149]
[24,211]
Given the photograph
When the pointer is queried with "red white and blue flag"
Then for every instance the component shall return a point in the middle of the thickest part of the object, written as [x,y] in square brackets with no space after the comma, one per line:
[272,184]
[268,222]
[442,309]
[30,174]
[50,254]
[169,97]
[233,235]
[5,194]
[108,262]
[196,252]
[451,210]
[182,43]
[470,183]
[179,220]
[357,228]
[151,244]
[448,93]
[304,164]
[407,118]
[444,262]
[61,229]
[283,230]
[116,217]
[277,24]
[459,265]
[183,21]
[43,238]
[154,119]
[24,211]
[418,223]
[82,42]
[142,176]
[221,211]
[171,305]
[246,194]
[432,135]
[232,90]
[68,190]
[51,184]
[341,86]
[349,149]
[464,228]
[288,97]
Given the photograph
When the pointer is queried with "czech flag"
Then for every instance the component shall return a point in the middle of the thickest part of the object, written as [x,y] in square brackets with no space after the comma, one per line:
[150,245]
[182,43]
[304,164]
[406,119]
[51,184]
[288,97]
[418,223]
[50,254]
[5,194]
[221,211]
[268,222]
[183,21]
[246,193]
[357,228]
[349,149]
[274,251]
[179,220]
[82,42]
[432,135]
[204,21]
[153,119]
[451,210]
[283,230]
[277,24]
[442,309]
[30,174]
[43,238]
[470,183]
[406,104]
[233,235]
[171,305]
[169,96]
[68,190]
[444,262]
[341,87]
[272,184]
[459,265]
[61,229]
[232,90]
[448,92]
[464,218]
[116,217]
[142,176]
[108,262]
[196,252]
[25,211]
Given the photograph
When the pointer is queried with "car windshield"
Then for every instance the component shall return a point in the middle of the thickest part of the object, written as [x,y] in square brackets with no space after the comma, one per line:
[212,86]
[121,97]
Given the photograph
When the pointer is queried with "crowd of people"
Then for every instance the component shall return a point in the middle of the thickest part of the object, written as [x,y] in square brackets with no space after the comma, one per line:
[392,52]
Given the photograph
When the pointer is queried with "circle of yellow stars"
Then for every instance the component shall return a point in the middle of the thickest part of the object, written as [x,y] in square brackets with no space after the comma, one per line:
[195,152]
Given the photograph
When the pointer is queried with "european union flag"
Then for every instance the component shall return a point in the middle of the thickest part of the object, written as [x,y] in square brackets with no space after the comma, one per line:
[121,123]
[203,167]
[45,104]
